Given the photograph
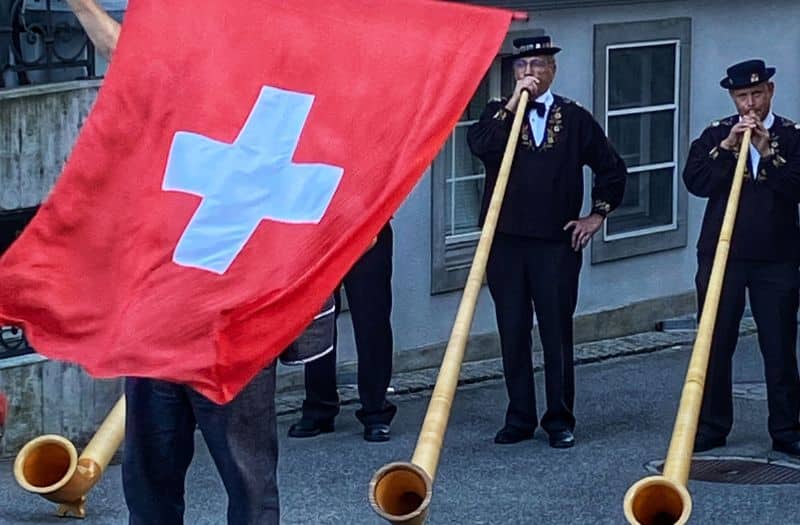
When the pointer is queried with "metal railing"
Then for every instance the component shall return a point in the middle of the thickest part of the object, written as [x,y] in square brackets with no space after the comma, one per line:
[42,41]
[13,342]
[12,222]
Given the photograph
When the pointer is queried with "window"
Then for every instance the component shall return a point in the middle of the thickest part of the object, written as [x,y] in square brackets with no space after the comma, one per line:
[458,181]
[642,88]
[642,102]
[464,176]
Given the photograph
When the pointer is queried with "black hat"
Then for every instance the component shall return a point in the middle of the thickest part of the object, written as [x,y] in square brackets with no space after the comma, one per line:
[533,46]
[746,74]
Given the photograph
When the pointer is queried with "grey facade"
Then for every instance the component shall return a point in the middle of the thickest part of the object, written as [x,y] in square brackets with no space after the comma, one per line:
[639,270]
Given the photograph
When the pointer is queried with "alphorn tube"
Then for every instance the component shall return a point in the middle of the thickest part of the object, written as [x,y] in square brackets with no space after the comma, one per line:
[401,492]
[49,465]
[665,500]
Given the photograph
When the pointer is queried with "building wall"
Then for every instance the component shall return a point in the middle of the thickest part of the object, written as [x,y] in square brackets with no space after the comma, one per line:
[39,126]
[723,33]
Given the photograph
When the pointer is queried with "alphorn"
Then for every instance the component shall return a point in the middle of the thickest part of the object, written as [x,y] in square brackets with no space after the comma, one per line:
[400,492]
[49,465]
[665,500]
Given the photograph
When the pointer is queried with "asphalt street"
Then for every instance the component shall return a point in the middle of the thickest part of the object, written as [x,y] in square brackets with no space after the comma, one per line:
[625,410]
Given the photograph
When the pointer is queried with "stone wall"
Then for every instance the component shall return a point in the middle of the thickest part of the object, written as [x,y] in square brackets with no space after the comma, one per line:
[38,126]
[50,397]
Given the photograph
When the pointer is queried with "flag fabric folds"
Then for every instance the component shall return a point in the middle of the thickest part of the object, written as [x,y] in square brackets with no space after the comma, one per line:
[239,158]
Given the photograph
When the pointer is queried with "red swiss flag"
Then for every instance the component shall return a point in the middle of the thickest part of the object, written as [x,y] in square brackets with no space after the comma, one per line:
[240,157]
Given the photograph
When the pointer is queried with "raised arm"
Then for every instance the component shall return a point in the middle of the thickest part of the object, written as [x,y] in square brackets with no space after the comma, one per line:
[487,138]
[709,167]
[98,24]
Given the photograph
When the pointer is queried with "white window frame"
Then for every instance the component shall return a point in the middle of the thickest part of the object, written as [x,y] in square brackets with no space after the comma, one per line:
[452,253]
[615,35]
[451,179]
[675,108]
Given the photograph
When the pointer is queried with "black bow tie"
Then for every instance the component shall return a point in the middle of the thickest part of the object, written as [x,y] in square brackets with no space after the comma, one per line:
[539,107]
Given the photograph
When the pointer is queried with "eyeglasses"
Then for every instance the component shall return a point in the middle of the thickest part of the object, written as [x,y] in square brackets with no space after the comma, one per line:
[521,63]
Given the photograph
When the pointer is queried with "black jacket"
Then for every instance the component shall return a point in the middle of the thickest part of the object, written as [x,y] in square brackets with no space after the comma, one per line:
[545,188]
[766,225]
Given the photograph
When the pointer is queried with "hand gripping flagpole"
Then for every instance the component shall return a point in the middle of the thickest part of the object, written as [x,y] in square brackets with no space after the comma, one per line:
[664,500]
[49,465]
[401,492]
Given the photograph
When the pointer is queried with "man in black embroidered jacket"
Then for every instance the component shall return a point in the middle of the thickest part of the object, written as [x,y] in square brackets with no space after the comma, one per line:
[536,254]
[764,252]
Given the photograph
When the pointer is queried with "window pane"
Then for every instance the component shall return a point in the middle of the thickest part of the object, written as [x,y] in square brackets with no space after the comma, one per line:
[478,102]
[641,76]
[647,203]
[465,164]
[464,201]
[645,138]
[507,81]
[464,185]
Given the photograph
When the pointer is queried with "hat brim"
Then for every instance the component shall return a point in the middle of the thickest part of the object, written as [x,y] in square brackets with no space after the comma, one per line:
[542,51]
[728,83]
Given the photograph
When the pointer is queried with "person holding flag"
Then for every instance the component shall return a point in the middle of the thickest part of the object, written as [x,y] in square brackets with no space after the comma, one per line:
[219,191]
[161,416]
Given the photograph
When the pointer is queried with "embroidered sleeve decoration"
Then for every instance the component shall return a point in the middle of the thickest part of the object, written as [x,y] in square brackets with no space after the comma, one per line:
[554,127]
[601,207]
[501,114]
[525,136]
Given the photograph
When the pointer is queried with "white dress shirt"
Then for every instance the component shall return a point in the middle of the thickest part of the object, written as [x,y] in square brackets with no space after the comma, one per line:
[755,156]
[539,124]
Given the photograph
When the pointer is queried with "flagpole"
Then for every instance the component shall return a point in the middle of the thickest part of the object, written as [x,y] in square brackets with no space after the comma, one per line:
[401,492]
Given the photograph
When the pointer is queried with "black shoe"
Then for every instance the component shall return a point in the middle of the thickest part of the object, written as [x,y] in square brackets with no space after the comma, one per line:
[376,432]
[792,448]
[309,428]
[562,439]
[704,443]
[509,435]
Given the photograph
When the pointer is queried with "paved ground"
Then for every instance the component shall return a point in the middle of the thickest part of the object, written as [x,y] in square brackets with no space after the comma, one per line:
[625,409]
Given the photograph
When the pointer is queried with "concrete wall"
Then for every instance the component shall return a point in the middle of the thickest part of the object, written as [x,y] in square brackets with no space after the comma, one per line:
[38,126]
[49,397]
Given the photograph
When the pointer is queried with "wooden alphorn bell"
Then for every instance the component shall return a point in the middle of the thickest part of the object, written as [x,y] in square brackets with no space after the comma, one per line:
[49,465]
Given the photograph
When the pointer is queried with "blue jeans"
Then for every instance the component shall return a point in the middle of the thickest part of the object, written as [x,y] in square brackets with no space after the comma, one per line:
[159,445]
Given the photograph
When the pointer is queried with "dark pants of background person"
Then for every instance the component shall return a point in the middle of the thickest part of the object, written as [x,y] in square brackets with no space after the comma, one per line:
[773,292]
[526,273]
[368,285]
[159,445]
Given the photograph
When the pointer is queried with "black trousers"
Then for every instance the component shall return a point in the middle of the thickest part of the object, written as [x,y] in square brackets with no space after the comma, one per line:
[159,444]
[368,285]
[526,274]
[773,291]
